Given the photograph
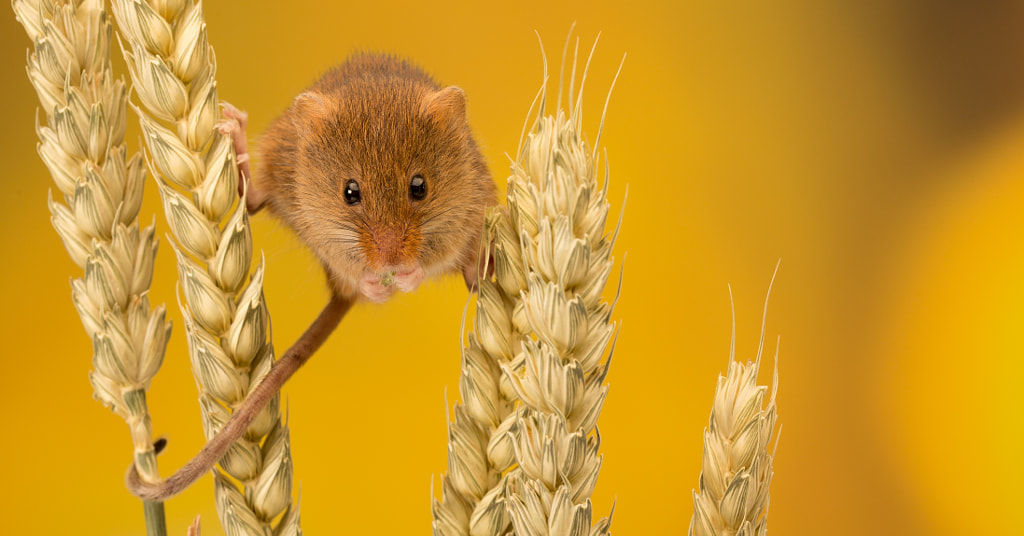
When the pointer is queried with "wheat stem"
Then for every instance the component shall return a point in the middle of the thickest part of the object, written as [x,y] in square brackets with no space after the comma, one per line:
[156,524]
[82,145]
[227,323]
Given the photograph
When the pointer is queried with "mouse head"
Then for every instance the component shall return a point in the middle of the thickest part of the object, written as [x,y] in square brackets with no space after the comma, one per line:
[394,186]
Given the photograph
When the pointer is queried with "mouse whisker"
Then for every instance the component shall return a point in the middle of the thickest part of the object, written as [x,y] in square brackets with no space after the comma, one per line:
[341,231]
[341,223]
[431,217]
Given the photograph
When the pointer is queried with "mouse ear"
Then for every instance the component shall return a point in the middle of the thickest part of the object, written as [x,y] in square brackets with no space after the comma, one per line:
[446,106]
[311,108]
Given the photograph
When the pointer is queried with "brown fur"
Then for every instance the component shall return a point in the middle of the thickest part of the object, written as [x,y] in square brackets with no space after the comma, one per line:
[378,120]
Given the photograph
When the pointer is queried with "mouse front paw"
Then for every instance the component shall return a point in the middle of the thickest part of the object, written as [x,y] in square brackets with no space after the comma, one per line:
[233,123]
[475,269]
[408,280]
[374,290]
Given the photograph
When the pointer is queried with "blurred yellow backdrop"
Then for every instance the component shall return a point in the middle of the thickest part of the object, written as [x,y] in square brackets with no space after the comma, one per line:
[876,148]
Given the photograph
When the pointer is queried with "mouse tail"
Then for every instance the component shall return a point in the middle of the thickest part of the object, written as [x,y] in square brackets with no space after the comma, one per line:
[214,450]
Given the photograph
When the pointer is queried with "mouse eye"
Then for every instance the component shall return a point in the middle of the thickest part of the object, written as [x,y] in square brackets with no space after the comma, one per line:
[418,187]
[352,196]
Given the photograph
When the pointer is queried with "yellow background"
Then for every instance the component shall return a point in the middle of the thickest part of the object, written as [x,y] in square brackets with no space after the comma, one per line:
[877,148]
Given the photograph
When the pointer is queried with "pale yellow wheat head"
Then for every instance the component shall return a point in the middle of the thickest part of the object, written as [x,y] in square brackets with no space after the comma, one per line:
[732,497]
[523,450]
[226,319]
[82,145]
[560,209]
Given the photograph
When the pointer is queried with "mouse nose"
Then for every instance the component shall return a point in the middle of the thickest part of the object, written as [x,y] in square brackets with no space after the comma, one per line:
[390,246]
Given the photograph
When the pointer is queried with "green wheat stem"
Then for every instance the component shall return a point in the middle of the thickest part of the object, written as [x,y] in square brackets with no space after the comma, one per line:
[156,524]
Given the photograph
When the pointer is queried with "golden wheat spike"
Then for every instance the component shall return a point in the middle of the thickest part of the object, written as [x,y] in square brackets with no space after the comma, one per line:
[227,323]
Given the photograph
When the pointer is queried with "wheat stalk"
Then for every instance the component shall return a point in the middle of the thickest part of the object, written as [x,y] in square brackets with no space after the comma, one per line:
[736,467]
[82,145]
[226,319]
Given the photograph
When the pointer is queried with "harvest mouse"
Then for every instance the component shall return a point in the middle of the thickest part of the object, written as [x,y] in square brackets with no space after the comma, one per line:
[375,169]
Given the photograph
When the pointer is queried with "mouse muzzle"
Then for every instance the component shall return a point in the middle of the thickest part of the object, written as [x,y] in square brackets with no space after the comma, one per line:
[392,265]
[378,286]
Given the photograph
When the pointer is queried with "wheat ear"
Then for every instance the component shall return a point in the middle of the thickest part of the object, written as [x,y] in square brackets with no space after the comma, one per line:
[82,145]
[226,319]
[732,495]
[479,447]
[523,448]
[480,453]
[560,209]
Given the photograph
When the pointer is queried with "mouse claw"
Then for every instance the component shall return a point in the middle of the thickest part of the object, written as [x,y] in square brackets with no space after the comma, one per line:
[229,111]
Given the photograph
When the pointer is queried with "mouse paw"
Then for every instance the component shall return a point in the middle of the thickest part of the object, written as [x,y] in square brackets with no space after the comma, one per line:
[408,280]
[371,287]
[230,112]
[233,123]
[471,273]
